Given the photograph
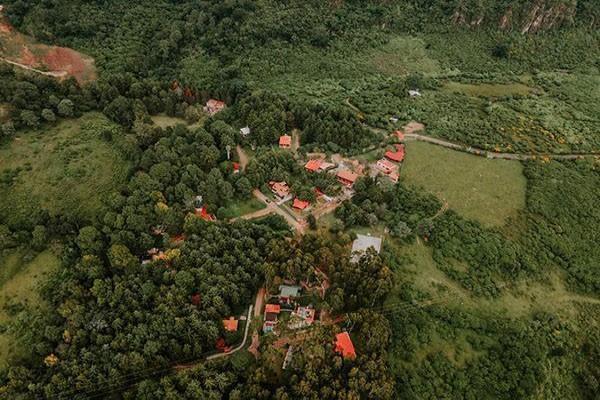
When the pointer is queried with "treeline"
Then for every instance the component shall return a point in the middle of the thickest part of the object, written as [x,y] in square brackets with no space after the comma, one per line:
[323,127]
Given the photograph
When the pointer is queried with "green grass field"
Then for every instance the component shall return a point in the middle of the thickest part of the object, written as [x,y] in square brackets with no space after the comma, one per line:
[18,285]
[239,208]
[489,191]
[66,168]
[404,55]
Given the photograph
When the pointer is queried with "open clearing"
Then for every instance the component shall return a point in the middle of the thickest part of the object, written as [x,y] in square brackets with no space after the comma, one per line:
[489,191]
[237,209]
[38,168]
[489,89]
[404,55]
[23,51]
[18,284]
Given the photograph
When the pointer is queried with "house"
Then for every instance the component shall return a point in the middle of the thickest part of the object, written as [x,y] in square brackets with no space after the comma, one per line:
[346,177]
[414,93]
[394,119]
[288,357]
[203,213]
[231,324]
[236,168]
[269,326]
[288,292]
[344,346]
[386,166]
[280,189]
[326,166]
[302,317]
[285,142]
[272,311]
[245,131]
[362,243]
[396,156]
[214,106]
[300,204]
[313,165]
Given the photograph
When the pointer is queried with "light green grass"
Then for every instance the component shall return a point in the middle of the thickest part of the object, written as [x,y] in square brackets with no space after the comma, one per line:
[489,191]
[19,281]
[489,89]
[66,168]
[404,55]
[239,208]
[164,121]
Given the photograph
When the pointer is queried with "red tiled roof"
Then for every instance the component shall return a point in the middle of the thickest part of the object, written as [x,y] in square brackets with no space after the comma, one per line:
[386,165]
[313,165]
[231,324]
[285,140]
[204,214]
[397,155]
[300,204]
[273,308]
[344,346]
[281,189]
[236,166]
[196,299]
[347,175]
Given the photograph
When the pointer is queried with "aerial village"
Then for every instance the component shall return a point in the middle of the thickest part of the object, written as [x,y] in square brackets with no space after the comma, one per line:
[290,308]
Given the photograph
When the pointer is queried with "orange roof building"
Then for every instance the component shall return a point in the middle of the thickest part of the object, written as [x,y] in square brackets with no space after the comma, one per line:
[231,324]
[300,204]
[272,309]
[236,168]
[347,177]
[204,214]
[387,167]
[344,346]
[280,189]
[396,156]
[213,106]
[313,165]
[285,141]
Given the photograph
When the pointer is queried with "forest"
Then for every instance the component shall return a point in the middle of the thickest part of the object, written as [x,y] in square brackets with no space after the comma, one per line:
[114,285]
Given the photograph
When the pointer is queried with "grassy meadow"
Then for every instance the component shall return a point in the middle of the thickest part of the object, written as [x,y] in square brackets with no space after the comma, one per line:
[65,169]
[20,276]
[489,191]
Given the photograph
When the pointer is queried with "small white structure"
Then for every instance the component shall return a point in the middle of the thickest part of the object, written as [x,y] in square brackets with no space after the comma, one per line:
[362,243]
[414,93]
[245,131]
[394,119]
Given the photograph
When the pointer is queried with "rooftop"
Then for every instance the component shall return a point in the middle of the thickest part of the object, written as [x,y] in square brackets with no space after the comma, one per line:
[289,291]
[272,309]
[231,324]
[313,165]
[347,175]
[300,204]
[344,346]
[285,140]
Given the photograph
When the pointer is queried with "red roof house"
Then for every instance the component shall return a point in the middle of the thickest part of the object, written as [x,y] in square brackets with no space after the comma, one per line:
[386,166]
[313,165]
[272,308]
[213,106]
[396,156]
[344,346]
[236,168]
[231,324]
[285,142]
[196,299]
[300,204]
[280,189]
[204,214]
[347,177]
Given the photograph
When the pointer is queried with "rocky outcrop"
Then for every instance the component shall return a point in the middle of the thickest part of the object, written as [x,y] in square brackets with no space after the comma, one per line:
[525,16]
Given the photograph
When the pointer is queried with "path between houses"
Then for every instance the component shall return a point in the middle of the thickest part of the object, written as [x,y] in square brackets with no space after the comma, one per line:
[480,152]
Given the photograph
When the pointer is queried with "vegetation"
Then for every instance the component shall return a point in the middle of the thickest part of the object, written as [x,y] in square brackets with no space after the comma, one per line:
[494,296]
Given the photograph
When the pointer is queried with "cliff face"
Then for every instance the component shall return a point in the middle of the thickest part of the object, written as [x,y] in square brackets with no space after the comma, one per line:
[526,16]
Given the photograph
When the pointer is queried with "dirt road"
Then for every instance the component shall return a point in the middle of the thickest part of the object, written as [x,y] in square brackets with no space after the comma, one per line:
[296,223]
[242,156]
[54,74]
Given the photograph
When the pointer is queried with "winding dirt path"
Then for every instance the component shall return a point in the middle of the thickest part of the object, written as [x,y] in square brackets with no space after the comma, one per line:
[480,152]
[242,156]
[54,74]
